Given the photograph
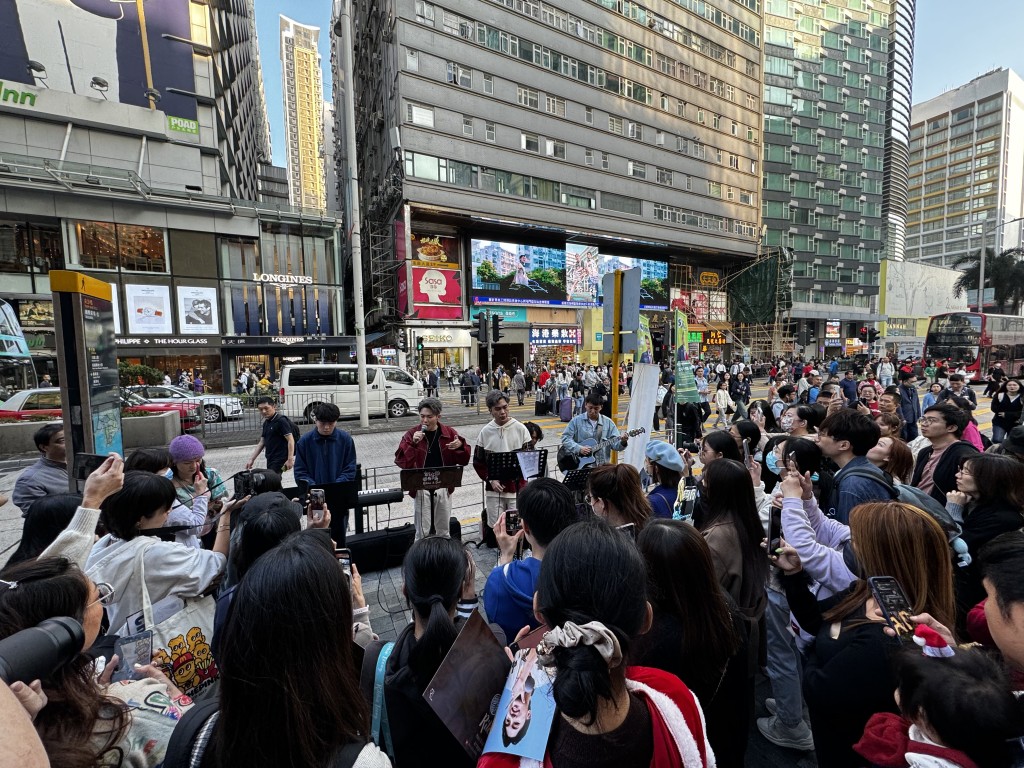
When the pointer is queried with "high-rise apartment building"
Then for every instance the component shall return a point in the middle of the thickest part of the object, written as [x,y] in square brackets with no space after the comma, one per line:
[303,93]
[837,91]
[967,169]
[516,133]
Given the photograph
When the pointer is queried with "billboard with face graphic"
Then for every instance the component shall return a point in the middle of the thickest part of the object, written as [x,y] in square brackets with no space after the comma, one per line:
[436,278]
[72,44]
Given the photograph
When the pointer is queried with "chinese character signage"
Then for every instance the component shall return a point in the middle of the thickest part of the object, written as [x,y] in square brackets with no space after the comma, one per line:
[551,336]
[833,329]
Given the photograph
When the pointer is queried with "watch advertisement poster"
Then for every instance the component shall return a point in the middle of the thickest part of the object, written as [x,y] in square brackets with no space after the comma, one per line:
[148,309]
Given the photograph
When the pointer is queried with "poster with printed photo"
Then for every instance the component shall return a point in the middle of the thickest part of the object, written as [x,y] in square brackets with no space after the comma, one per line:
[197,310]
[149,309]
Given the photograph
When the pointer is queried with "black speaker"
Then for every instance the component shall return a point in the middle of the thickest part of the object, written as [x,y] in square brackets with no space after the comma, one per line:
[383,549]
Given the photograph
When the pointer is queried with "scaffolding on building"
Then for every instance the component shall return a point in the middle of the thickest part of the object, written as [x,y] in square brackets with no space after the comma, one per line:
[760,301]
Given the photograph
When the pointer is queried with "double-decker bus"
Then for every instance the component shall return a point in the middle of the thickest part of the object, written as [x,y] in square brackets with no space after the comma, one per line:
[16,369]
[976,341]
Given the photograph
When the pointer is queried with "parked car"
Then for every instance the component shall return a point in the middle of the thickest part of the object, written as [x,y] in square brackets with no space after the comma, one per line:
[32,403]
[214,407]
[303,387]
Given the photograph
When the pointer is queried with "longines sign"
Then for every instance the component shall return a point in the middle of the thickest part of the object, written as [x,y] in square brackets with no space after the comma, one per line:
[275,279]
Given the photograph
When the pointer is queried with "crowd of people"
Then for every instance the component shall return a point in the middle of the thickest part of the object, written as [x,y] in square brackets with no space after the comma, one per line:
[772,544]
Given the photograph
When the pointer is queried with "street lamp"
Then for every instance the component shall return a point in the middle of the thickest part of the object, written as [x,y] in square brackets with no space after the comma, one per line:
[981,261]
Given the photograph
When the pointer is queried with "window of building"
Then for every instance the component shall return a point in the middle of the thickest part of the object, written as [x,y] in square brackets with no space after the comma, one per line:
[615,125]
[622,203]
[554,106]
[107,246]
[419,114]
[664,176]
[489,84]
[715,188]
[530,142]
[716,122]
[636,131]
[588,156]
[424,12]
[604,160]
[700,116]
[412,60]
[460,75]
[555,149]
[636,169]
[489,131]
[589,115]
[467,127]
[527,97]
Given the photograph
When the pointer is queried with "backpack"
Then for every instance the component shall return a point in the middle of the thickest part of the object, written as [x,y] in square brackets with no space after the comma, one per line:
[915,497]
[296,432]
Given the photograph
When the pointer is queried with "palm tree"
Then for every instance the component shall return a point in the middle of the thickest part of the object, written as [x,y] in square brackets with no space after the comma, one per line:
[1004,272]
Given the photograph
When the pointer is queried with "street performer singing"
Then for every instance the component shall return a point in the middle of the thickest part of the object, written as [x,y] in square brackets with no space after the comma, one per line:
[432,444]
[503,434]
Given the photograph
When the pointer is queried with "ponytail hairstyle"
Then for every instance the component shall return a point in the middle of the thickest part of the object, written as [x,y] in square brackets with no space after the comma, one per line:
[433,570]
[591,572]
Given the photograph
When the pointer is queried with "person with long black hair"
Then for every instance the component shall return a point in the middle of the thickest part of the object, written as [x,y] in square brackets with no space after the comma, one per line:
[698,634]
[592,593]
[436,574]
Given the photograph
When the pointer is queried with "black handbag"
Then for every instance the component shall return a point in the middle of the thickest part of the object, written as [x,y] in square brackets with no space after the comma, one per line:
[567,460]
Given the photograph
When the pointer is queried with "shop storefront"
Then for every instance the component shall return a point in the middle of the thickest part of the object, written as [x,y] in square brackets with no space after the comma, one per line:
[269,354]
[443,347]
[555,345]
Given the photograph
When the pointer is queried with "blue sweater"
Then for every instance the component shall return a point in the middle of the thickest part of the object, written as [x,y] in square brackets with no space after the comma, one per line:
[330,459]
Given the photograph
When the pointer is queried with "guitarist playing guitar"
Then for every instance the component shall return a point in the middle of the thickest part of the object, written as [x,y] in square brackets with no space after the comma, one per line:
[592,426]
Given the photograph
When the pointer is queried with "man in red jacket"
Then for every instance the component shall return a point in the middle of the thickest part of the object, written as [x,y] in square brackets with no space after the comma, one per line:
[432,444]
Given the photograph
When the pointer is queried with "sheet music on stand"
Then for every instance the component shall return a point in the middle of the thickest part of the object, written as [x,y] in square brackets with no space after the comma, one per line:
[533,463]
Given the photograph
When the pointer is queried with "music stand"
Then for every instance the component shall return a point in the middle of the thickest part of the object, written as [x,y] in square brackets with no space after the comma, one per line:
[431,479]
[576,479]
[542,461]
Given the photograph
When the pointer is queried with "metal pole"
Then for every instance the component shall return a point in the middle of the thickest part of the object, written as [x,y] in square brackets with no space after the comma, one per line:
[354,209]
[981,274]
[616,346]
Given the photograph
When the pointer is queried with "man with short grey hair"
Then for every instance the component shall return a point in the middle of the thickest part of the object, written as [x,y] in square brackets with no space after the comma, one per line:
[432,444]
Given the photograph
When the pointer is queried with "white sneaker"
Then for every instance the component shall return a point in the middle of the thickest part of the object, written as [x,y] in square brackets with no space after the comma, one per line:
[769,704]
[779,733]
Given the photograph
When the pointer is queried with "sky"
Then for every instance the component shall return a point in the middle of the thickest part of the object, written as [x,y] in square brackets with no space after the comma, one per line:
[957,41]
[313,12]
[954,43]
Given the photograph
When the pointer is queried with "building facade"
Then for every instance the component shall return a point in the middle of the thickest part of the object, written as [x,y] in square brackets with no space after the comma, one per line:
[302,89]
[139,188]
[510,153]
[836,93]
[967,170]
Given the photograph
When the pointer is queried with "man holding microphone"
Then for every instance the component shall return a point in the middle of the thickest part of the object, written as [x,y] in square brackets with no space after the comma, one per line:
[432,444]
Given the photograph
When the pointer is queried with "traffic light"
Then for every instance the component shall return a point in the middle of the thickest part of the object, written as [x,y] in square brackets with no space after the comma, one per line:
[480,333]
[863,333]
[400,342]
[419,343]
[872,335]
[496,333]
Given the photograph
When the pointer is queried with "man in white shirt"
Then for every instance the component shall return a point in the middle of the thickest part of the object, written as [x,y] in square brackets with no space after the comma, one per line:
[503,434]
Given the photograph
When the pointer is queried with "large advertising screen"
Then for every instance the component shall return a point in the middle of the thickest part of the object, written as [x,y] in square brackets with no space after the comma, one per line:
[513,273]
[78,41]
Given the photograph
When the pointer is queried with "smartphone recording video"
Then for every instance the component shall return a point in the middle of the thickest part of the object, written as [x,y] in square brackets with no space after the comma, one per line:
[512,522]
[893,603]
[344,557]
[315,507]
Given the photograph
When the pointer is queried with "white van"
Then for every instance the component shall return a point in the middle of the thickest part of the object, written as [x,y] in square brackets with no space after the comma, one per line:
[303,387]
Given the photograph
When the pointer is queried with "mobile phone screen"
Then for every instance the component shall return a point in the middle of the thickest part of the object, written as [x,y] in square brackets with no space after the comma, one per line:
[316,503]
[893,603]
[344,557]
[747,461]
[511,522]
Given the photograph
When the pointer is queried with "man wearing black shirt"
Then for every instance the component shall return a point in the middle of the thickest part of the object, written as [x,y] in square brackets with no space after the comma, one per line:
[277,438]
[577,389]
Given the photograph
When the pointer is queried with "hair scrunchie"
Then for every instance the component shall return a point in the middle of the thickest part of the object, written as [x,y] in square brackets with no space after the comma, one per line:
[570,634]
[435,599]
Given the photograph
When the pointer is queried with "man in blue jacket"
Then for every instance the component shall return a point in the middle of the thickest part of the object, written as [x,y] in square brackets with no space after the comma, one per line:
[910,405]
[324,458]
[546,508]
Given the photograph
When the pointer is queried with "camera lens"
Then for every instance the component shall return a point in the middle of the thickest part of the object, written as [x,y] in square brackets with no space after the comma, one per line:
[37,652]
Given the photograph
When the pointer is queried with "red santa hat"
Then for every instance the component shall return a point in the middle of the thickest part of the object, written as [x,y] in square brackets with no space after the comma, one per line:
[931,642]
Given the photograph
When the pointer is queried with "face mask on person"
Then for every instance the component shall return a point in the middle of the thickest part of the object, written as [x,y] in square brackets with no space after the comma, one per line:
[772,462]
[786,422]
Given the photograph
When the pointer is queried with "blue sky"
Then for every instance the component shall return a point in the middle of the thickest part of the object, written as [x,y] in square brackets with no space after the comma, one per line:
[955,42]
[316,13]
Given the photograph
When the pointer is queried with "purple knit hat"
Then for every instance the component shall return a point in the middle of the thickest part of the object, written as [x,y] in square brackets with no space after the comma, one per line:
[185,447]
